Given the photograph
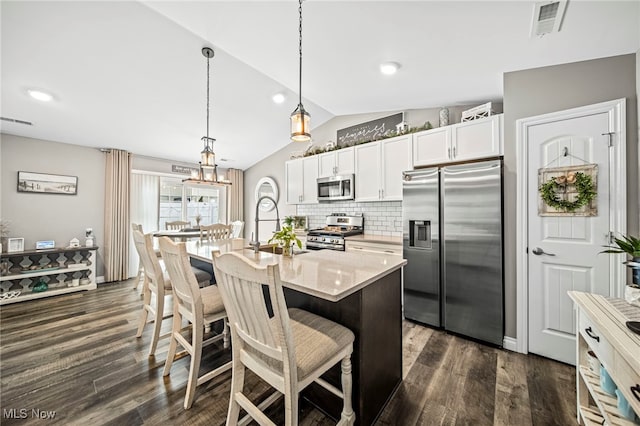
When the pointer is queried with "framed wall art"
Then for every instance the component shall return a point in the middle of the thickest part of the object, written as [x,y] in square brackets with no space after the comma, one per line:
[47,183]
[15,244]
[568,191]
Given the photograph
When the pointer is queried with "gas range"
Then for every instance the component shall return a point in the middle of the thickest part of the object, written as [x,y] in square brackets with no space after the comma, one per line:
[338,226]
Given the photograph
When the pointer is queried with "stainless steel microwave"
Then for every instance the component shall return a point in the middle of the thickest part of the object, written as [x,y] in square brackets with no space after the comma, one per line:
[335,188]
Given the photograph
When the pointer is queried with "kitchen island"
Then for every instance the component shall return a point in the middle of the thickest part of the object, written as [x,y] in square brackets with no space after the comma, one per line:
[361,292]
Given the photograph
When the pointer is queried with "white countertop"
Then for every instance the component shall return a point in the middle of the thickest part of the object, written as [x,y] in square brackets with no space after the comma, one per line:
[370,238]
[327,274]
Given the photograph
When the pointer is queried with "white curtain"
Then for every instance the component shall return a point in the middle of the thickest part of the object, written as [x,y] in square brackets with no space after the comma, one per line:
[116,217]
[236,195]
[145,199]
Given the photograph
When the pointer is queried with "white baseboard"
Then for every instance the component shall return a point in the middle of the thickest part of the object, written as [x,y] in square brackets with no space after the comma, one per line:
[510,344]
[100,279]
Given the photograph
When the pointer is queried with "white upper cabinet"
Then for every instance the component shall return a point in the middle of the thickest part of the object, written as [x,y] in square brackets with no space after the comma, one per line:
[301,177]
[340,162]
[379,167]
[432,146]
[396,158]
[470,140]
[477,139]
[368,170]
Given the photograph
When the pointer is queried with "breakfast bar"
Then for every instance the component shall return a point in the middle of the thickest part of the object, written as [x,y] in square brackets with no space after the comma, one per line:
[361,292]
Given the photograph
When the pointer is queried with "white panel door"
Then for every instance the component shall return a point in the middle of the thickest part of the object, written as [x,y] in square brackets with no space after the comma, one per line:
[570,244]
[368,172]
[396,158]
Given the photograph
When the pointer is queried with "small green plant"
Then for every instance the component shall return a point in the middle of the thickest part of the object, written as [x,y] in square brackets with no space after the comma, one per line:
[626,244]
[631,246]
[286,238]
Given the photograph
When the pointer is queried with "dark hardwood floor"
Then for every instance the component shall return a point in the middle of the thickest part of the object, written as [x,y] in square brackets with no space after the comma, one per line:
[76,357]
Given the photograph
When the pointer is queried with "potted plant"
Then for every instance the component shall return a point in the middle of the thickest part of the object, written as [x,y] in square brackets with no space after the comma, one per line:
[286,238]
[631,246]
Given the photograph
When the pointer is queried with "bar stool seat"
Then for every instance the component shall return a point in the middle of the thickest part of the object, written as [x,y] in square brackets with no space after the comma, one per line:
[316,339]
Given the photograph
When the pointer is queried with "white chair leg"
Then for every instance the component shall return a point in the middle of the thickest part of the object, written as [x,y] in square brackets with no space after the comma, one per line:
[237,386]
[194,367]
[291,407]
[348,417]
[171,354]
[157,323]
[225,333]
[145,304]
[139,278]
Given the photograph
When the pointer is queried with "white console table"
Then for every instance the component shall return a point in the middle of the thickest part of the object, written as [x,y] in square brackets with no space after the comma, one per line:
[602,329]
[20,271]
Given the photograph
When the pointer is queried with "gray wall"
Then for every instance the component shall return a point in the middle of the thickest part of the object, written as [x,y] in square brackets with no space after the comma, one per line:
[542,90]
[49,216]
[273,166]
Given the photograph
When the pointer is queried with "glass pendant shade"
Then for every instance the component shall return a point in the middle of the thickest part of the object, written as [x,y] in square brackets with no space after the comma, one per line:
[300,125]
[208,157]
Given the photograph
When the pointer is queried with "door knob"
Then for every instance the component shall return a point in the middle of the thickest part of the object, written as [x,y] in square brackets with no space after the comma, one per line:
[538,251]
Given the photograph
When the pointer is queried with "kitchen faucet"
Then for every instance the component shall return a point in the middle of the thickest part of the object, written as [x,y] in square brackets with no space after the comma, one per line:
[256,243]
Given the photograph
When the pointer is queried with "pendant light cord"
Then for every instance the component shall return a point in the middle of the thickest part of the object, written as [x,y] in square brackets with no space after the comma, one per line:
[207,141]
[300,49]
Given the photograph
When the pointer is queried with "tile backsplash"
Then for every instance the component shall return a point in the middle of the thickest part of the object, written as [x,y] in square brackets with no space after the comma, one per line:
[380,218]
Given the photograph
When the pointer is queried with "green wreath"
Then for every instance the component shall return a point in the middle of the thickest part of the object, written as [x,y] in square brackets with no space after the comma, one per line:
[583,184]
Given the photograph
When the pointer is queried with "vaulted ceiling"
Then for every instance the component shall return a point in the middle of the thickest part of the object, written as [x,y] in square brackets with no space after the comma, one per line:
[130,75]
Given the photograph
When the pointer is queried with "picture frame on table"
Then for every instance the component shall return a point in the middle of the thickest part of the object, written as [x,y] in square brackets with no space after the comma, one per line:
[47,183]
[15,244]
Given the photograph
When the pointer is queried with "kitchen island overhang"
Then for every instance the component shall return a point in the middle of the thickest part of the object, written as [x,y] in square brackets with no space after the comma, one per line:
[360,291]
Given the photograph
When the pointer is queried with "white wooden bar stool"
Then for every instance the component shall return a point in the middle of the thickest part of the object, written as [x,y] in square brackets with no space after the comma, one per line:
[177,225]
[156,283]
[217,231]
[289,351]
[200,307]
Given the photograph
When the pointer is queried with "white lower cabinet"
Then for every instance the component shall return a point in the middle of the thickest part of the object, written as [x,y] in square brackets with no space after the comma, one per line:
[379,167]
[602,331]
[301,176]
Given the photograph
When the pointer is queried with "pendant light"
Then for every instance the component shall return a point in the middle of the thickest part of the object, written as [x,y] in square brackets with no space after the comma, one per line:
[207,170]
[300,118]
[208,158]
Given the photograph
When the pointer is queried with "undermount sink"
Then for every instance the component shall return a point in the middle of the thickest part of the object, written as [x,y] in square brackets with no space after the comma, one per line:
[276,250]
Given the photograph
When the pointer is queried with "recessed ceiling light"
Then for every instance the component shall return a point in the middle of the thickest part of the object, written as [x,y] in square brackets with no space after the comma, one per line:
[389,68]
[40,95]
[278,98]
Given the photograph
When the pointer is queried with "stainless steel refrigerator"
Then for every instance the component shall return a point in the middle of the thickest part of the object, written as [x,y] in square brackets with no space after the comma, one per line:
[452,240]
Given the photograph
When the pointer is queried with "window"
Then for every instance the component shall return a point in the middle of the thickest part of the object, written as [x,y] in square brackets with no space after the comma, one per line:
[180,201]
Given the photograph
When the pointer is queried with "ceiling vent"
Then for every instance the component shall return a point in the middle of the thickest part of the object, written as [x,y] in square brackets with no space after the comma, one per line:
[547,17]
[14,120]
